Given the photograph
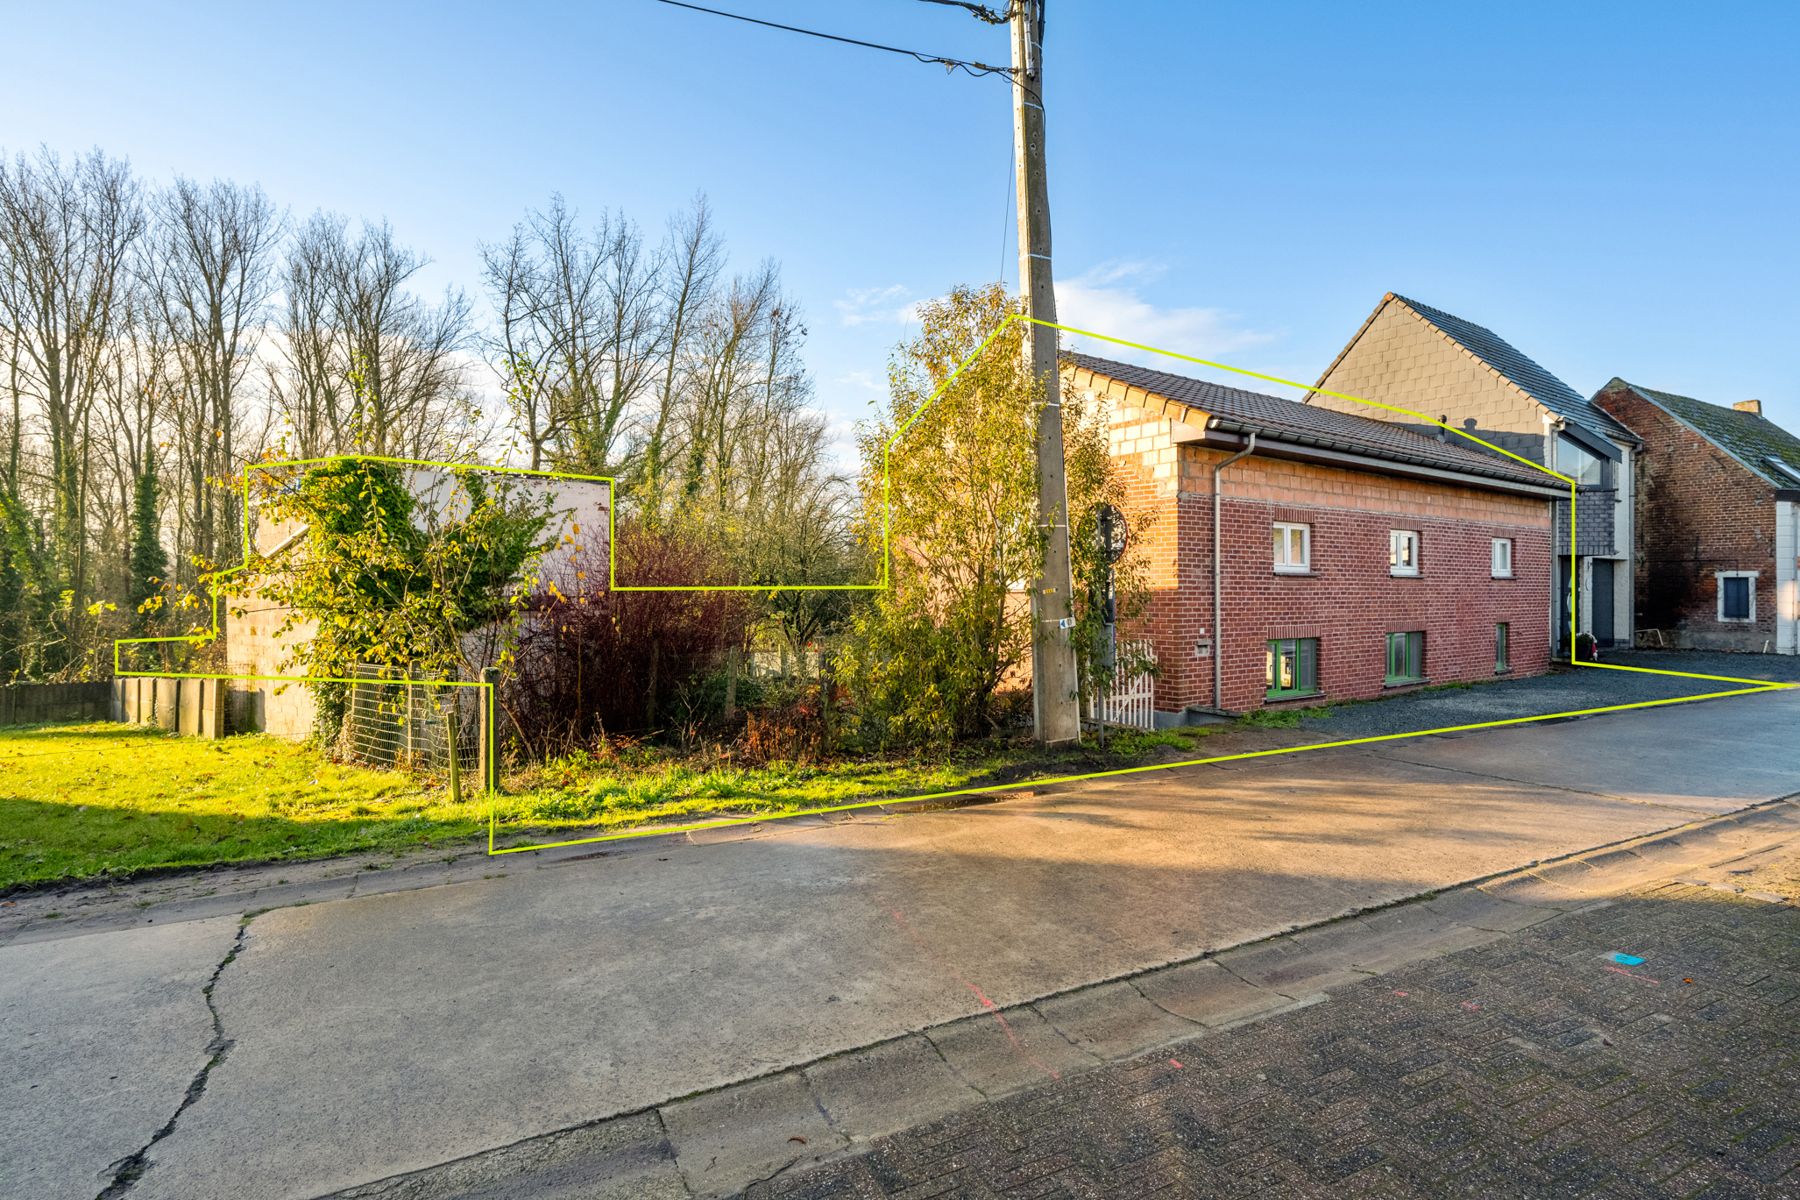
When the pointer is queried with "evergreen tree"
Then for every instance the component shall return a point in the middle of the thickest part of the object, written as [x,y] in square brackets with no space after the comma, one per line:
[149,563]
[24,607]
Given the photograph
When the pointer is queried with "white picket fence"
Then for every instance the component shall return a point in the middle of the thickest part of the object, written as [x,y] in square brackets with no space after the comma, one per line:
[1132,700]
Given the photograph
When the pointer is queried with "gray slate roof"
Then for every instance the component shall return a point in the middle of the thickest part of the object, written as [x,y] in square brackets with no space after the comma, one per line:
[1292,421]
[1747,437]
[1533,379]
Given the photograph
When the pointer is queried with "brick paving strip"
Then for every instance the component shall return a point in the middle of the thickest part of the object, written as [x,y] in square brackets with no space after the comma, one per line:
[1493,1040]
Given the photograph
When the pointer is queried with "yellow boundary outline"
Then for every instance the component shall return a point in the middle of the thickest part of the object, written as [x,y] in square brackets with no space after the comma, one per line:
[1753,686]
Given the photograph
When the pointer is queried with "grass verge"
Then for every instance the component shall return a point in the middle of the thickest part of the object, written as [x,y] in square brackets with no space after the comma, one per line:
[110,801]
[105,800]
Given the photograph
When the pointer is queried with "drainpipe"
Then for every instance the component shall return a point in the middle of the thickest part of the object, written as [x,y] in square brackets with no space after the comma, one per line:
[1217,572]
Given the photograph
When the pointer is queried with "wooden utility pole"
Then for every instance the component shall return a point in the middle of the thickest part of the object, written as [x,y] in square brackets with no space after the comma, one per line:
[1055,703]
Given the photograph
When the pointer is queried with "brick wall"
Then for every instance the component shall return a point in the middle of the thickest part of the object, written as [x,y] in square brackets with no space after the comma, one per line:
[1176,566]
[1698,512]
[1350,602]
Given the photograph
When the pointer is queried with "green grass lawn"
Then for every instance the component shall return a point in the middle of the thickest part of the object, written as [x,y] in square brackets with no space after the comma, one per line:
[87,801]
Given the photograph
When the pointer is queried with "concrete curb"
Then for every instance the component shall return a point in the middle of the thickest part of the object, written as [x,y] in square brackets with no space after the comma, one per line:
[718,1142]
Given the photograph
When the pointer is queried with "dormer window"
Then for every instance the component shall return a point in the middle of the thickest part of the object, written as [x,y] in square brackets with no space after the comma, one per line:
[1579,463]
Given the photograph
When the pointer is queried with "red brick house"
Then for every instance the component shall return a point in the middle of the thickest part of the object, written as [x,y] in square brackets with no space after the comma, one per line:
[1359,557]
[1718,521]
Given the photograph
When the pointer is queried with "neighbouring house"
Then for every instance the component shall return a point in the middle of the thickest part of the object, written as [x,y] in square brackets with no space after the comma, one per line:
[1420,358]
[257,647]
[1718,521]
[1352,557]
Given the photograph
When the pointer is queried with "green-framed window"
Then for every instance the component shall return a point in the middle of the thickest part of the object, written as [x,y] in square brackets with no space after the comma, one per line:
[1293,667]
[1502,648]
[1405,657]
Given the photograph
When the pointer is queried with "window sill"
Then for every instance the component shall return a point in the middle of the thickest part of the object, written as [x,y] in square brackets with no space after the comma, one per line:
[1290,697]
[1508,576]
[1405,574]
[1295,574]
[1395,685]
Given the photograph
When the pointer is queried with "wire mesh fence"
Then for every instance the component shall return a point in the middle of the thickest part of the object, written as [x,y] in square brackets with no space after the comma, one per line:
[411,724]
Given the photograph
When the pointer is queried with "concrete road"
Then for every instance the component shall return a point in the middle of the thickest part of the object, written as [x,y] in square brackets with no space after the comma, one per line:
[99,1038]
[380,1035]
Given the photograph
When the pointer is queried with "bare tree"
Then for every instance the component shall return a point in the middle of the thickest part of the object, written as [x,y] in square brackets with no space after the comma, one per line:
[743,340]
[545,283]
[369,365]
[136,383]
[694,259]
[307,386]
[404,355]
[66,234]
[579,335]
[209,268]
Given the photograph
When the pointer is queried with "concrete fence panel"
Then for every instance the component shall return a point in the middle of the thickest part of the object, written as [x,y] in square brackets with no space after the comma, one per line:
[54,703]
[167,712]
[196,707]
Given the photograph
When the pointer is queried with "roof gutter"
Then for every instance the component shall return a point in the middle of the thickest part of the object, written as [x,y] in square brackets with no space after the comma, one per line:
[1218,561]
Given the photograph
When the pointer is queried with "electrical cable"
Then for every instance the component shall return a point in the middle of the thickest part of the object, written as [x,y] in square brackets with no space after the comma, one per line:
[969,66]
[1008,215]
[980,12]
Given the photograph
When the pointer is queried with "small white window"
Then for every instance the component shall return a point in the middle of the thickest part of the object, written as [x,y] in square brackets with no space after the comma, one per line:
[1293,548]
[1502,558]
[1737,596]
[1403,552]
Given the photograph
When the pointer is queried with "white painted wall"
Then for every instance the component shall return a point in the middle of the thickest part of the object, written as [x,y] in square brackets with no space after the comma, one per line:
[578,524]
[1625,541]
[1787,577]
[577,507]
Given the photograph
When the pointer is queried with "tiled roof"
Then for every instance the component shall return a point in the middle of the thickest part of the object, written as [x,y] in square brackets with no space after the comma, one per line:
[1750,438]
[1532,379]
[1289,420]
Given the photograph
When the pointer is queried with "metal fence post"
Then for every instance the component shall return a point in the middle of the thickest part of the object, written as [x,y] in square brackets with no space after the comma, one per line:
[490,729]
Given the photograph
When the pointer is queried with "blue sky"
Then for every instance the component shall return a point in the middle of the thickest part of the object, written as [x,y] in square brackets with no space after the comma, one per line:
[1610,186]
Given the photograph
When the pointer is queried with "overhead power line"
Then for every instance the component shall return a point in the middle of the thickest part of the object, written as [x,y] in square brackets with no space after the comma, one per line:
[949,64]
[980,12]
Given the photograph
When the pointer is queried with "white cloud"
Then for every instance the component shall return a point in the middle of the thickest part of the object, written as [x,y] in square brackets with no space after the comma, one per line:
[863,381]
[1120,269]
[876,305]
[1107,300]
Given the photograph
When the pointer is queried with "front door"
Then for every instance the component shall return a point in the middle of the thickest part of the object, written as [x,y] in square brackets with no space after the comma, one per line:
[1602,606]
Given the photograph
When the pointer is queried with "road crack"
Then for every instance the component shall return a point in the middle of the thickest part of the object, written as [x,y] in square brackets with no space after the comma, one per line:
[128,1170]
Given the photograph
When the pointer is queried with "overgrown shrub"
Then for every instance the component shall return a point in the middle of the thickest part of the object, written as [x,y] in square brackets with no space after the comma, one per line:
[591,661]
[792,723]
[956,499]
